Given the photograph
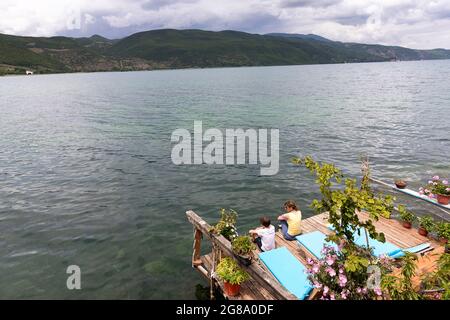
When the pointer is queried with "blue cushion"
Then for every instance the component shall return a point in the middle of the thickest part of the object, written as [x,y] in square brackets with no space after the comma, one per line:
[310,241]
[290,272]
[379,248]
[415,249]
[314,242]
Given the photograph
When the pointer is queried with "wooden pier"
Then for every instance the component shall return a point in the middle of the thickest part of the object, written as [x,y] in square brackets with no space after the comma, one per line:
[263,286]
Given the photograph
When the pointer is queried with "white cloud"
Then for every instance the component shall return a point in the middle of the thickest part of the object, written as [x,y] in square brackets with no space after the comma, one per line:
[414,23]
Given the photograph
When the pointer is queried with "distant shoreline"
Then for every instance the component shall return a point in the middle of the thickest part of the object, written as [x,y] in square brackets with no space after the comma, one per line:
[202,68]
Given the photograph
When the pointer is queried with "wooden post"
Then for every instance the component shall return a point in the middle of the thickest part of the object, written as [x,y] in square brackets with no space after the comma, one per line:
[212,271]
[196,261]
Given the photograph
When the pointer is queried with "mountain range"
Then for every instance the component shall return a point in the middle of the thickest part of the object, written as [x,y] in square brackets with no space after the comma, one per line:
[170,49]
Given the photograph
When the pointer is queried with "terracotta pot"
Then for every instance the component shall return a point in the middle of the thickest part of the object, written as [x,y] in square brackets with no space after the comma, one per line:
[423,232]
[400,184]
[406,224]
[443,199]
[231,290]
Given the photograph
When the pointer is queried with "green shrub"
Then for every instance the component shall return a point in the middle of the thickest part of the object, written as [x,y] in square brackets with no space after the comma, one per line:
[443,230]
[406,215]
[427,223]
[226,225]
[439,281]
[229,271]
[243,245]
[400,287]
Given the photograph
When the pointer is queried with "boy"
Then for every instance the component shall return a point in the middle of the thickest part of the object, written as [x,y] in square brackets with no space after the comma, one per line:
[264,236]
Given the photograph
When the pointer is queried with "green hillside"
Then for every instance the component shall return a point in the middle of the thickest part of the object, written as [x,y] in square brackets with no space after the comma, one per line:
[196,48]
[170,48]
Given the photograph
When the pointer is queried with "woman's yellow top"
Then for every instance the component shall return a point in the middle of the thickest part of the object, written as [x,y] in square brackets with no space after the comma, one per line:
[294,219]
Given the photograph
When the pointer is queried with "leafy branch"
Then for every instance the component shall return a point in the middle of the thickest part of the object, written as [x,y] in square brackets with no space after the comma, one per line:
[343,199]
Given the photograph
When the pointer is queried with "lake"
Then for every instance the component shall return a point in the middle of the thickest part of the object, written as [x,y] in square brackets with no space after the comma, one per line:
[86,176]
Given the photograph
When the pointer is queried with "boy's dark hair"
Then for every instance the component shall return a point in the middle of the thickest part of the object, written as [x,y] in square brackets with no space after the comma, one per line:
[265,221]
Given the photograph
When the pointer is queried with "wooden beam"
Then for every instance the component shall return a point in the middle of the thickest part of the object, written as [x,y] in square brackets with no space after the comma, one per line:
[258,274]
[392,187]
[203,271]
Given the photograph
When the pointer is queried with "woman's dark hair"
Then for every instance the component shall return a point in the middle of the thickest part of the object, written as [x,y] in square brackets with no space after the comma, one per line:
[265,221]
[290,204]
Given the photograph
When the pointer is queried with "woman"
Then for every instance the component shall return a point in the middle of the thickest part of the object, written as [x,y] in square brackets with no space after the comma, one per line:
[290,221]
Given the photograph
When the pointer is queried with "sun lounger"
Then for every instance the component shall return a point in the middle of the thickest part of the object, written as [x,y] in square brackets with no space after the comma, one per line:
[417,249]
[386,248]
[379,248]
[314,242]
[288,271]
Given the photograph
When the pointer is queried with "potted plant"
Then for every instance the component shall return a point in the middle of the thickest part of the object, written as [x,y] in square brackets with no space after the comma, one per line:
[438,188]
[407,216]
[426,225]
[443,231]
[242,247]
[401,184]
[226,225]
[231,275]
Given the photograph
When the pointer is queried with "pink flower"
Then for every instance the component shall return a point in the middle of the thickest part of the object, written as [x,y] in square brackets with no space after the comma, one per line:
[342,280]
[430,182]
[310,261]
[364,290]
[358,290]
[377,291]
[317,285]
[435,178]
[385,260]
[332,297]
[326,249]
[341,270]
[330,260]
[445,182]
[315,269]
[331,272]
[448,189]
[325,290]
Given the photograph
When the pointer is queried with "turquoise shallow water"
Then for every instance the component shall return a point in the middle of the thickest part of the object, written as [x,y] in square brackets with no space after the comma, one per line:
[86,176]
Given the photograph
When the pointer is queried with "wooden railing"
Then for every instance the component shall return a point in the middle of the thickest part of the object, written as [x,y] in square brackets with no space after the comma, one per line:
[258,274]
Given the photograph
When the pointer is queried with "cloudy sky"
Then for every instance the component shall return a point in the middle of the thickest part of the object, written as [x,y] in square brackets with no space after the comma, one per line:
[412,23]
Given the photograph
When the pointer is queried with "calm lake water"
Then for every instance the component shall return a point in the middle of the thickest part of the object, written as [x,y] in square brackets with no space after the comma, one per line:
[86,176]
